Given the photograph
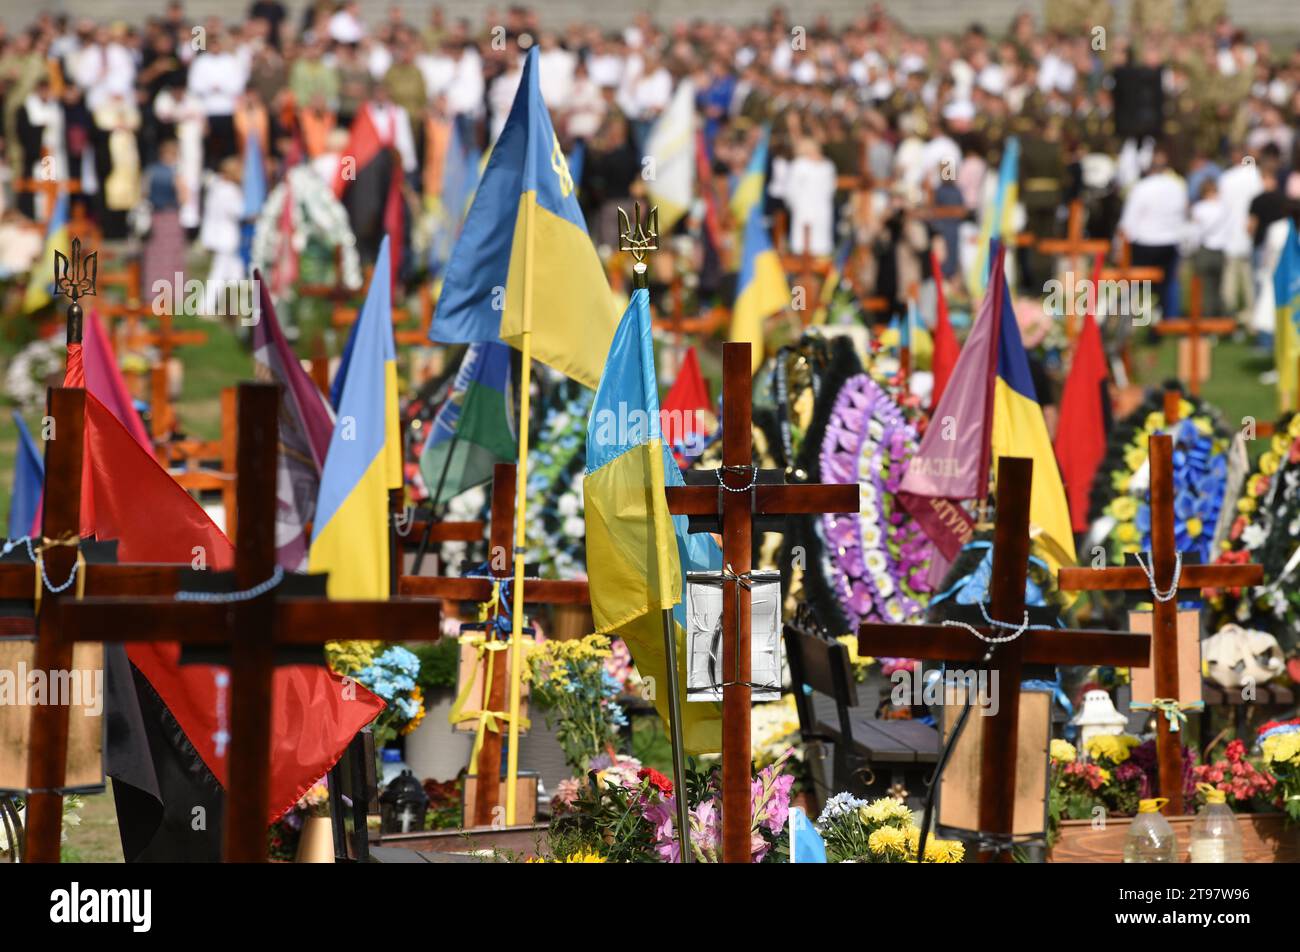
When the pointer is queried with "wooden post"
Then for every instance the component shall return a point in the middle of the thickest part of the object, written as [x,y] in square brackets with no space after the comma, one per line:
[1007,604]
[1165,612]
[743,496]
[251,625]
[479,589]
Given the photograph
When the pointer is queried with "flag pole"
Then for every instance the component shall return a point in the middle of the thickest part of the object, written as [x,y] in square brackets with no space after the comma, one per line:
[639,238]
[521,512]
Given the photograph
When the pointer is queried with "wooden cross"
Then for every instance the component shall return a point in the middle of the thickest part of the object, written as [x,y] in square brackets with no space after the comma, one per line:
[1074,248]
[479,589]
[418,336]
[50,187]
[252,627]
[739,497]
[1191,328]
[60,527]
[182,458]
[1006,604]
[1166,579]
[812,272]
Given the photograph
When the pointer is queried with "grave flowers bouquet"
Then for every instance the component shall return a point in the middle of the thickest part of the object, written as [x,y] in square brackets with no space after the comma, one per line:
[571,683]
[1239,779]
[630,817]
[392,675]
[1280,743]
[1108,778]
[880,831]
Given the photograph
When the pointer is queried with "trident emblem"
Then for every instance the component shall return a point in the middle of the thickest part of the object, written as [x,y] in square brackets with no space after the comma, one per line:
[75,278]
[638,237]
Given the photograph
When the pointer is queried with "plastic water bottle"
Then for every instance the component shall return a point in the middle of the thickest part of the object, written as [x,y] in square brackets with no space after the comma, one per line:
[1215,835]
[1150,837]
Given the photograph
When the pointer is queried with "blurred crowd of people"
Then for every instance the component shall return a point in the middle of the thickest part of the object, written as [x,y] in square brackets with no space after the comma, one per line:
[870,125]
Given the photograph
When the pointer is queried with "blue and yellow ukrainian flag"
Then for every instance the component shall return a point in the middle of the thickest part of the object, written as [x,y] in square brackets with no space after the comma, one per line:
[525,234]
[635,547]
[40,288]
[998,219]
[1019,430]
[1286,337]
[748,190]
[364,460]
[761,288]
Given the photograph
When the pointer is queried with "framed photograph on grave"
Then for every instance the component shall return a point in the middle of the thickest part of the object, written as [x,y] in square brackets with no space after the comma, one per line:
[82,689]
[1189,661]
[958,798]
[704,674]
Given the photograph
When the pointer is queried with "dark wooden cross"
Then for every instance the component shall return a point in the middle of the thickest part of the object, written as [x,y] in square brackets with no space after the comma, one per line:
[184,459]
[739,497]
[61,529]
[252,628]
[1006,604]
[812,273]
[479,589]
[1164,656]
[1192,327]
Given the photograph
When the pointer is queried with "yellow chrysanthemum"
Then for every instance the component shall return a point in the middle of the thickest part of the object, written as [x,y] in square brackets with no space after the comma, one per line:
[888,841]
[1063,751]
[1293,428]
[944,851]
[1126,532]
[885,810]
[1282,748]
[1135,457]
[1112,747]
[1268,463]
[1246,505]
[1280,444]
[584,856]
[1124,508]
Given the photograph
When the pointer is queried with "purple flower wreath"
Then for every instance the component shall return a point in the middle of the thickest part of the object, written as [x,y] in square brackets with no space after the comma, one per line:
[879,556]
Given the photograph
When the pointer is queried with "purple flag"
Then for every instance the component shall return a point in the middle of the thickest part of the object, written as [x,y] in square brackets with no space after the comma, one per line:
[951,463]
[306,424]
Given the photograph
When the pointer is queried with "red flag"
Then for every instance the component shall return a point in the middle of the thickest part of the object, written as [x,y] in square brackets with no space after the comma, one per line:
[364,143]
[681,409]
[945,341]
[1081,430]
[154,520]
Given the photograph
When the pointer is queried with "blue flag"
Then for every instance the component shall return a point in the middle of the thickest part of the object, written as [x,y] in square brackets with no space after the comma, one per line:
[29,477]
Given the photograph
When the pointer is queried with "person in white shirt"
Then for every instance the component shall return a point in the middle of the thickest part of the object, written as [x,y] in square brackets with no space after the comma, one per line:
[220,233]
[501,96]
[217,79]
[346,26]
[809,193]
[105,69]
[555,67]
[1239,183]
[1209,238]
[1154,221]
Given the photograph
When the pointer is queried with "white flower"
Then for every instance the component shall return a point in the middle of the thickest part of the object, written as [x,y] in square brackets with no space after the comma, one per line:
[871,536]
[1253,536]
[567,505]
[875,562]
[575,527]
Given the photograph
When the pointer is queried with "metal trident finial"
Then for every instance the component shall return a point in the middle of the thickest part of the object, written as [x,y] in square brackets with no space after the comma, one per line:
[639,238]
[636,236]
[75,278]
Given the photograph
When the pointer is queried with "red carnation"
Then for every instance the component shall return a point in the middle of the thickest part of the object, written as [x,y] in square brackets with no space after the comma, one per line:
[657,780]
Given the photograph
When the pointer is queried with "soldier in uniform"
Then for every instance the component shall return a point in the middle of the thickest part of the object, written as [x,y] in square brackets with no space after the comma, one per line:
[1202,14]
[1151,16]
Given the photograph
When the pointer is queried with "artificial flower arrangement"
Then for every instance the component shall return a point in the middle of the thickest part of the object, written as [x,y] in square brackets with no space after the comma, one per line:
[880,555]
[623,816]
[1242,782]
[319,228]
[31,372]
[1279,743]
[880,831]
[572,685]
[1108,778]
[1265,530]
[557,529]
[391,674]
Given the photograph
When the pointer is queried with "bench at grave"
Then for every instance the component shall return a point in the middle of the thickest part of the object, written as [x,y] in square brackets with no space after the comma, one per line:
[870,757]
